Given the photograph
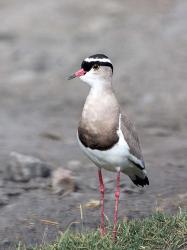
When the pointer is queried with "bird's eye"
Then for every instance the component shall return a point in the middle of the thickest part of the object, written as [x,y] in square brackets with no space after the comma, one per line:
[95,66]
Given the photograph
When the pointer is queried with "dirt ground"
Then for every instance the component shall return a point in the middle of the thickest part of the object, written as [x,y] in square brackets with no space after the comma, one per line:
[41,43]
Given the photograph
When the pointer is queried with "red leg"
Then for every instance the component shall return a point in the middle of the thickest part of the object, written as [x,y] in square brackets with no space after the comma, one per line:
[117,193]
[102,189]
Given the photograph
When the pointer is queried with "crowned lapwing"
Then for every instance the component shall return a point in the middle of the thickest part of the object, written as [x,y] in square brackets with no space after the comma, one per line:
[105,134]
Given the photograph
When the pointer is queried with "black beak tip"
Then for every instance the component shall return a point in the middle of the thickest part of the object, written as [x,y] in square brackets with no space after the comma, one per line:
[71,77]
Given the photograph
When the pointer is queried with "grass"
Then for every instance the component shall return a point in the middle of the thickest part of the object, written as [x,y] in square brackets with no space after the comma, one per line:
[158,231]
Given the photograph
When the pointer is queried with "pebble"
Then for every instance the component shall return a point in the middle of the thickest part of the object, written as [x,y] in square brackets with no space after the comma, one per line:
[63,181]
[22,168]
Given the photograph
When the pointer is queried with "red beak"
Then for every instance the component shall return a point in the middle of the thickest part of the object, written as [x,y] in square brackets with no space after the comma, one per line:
[78,73]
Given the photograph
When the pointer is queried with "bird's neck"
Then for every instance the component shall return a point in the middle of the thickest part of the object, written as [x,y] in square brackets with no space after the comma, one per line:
[101,102]
[100,116]
[99,90]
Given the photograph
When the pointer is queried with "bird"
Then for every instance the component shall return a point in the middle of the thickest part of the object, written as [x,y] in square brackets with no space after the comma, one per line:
[105,134]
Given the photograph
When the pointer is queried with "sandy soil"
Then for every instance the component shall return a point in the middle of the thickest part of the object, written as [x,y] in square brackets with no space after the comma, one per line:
[41,43]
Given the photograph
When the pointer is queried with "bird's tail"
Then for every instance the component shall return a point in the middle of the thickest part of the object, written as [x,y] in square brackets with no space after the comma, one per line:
[138,176]
[139,181]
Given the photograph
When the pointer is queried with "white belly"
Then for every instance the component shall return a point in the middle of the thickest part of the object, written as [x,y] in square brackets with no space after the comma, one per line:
[112,158]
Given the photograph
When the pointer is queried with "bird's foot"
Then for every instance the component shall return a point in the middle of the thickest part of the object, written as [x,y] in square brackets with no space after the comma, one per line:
[102,230]
[114,234]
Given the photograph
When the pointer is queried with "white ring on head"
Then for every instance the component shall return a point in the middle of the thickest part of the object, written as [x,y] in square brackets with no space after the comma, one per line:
[89,59]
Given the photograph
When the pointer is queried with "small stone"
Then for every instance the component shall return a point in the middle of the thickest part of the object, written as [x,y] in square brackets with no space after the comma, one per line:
[22,168]
[62,181]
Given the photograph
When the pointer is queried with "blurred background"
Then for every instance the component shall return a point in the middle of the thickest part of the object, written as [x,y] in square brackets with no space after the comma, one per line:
[43,42]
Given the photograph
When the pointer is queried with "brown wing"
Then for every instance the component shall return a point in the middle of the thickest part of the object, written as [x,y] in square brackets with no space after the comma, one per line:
[131,138]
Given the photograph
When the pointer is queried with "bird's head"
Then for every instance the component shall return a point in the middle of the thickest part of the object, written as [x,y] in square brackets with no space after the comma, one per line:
[95,70]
